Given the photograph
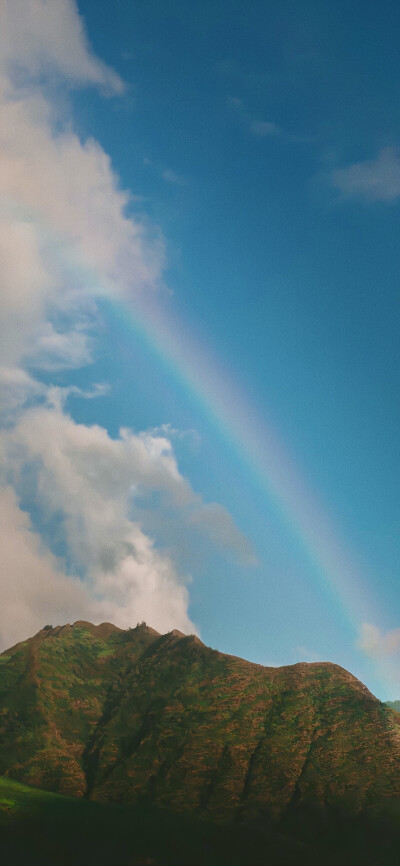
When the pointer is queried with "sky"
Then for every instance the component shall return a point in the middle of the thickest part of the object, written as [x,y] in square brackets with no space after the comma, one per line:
[200,371]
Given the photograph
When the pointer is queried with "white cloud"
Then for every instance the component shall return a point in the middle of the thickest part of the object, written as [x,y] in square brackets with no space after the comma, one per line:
[33,588]
[42,36]
[86,481]
[55,350]
[85,467]
[65,233]
[93,480]
[379,644]
[173,433]
[56,396]
[89,483]
[60,181]
[17,388]
[67,237]
[24,284]
[371,180]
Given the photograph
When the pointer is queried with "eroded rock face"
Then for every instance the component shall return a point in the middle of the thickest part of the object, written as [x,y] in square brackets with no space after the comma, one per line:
[137,716]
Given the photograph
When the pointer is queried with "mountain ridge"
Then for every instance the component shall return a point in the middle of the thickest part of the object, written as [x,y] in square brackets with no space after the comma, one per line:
[104,629]
[134,716]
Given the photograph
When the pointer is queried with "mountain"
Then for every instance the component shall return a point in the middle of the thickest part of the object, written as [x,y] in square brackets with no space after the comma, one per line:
[166,723]
[395,705]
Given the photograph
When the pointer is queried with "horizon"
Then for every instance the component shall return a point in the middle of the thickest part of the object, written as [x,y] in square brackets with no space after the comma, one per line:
[200,365]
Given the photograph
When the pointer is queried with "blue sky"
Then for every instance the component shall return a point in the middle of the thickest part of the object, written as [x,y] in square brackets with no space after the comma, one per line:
[237,312]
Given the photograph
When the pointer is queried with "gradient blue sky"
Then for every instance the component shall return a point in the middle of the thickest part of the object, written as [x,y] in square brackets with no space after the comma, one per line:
[261,141]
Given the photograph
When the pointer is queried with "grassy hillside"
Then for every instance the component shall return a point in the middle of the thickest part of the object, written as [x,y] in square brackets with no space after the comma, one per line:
[163,722]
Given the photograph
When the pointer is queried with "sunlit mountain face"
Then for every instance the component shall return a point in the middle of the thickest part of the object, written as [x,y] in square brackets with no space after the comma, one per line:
[164,722]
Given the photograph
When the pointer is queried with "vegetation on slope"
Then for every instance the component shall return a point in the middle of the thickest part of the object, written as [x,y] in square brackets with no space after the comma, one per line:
[166,723]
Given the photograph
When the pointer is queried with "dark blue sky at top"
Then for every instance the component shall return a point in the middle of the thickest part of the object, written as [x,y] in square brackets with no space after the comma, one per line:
[294,287]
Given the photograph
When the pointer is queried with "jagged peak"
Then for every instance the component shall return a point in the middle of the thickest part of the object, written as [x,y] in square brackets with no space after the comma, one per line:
[143,628]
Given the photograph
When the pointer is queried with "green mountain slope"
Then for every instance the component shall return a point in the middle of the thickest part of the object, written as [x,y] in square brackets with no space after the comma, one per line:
[395,705]
[165,722]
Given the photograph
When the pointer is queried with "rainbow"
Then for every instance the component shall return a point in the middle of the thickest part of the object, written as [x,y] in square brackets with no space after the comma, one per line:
[257,445]
[254,442]
[268,462]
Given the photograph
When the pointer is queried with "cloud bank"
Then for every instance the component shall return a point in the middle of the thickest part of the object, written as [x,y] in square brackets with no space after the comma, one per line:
[75,541]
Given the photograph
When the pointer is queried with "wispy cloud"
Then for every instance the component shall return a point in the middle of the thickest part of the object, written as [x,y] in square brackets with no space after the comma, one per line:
[371,180]
[172,177]
[263,128]
[307,654]
[255,125]
[173,433]
[377,643]
[167,174]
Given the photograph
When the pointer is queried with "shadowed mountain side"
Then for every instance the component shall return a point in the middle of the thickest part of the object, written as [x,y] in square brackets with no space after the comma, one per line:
[164,721]
[61,830]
